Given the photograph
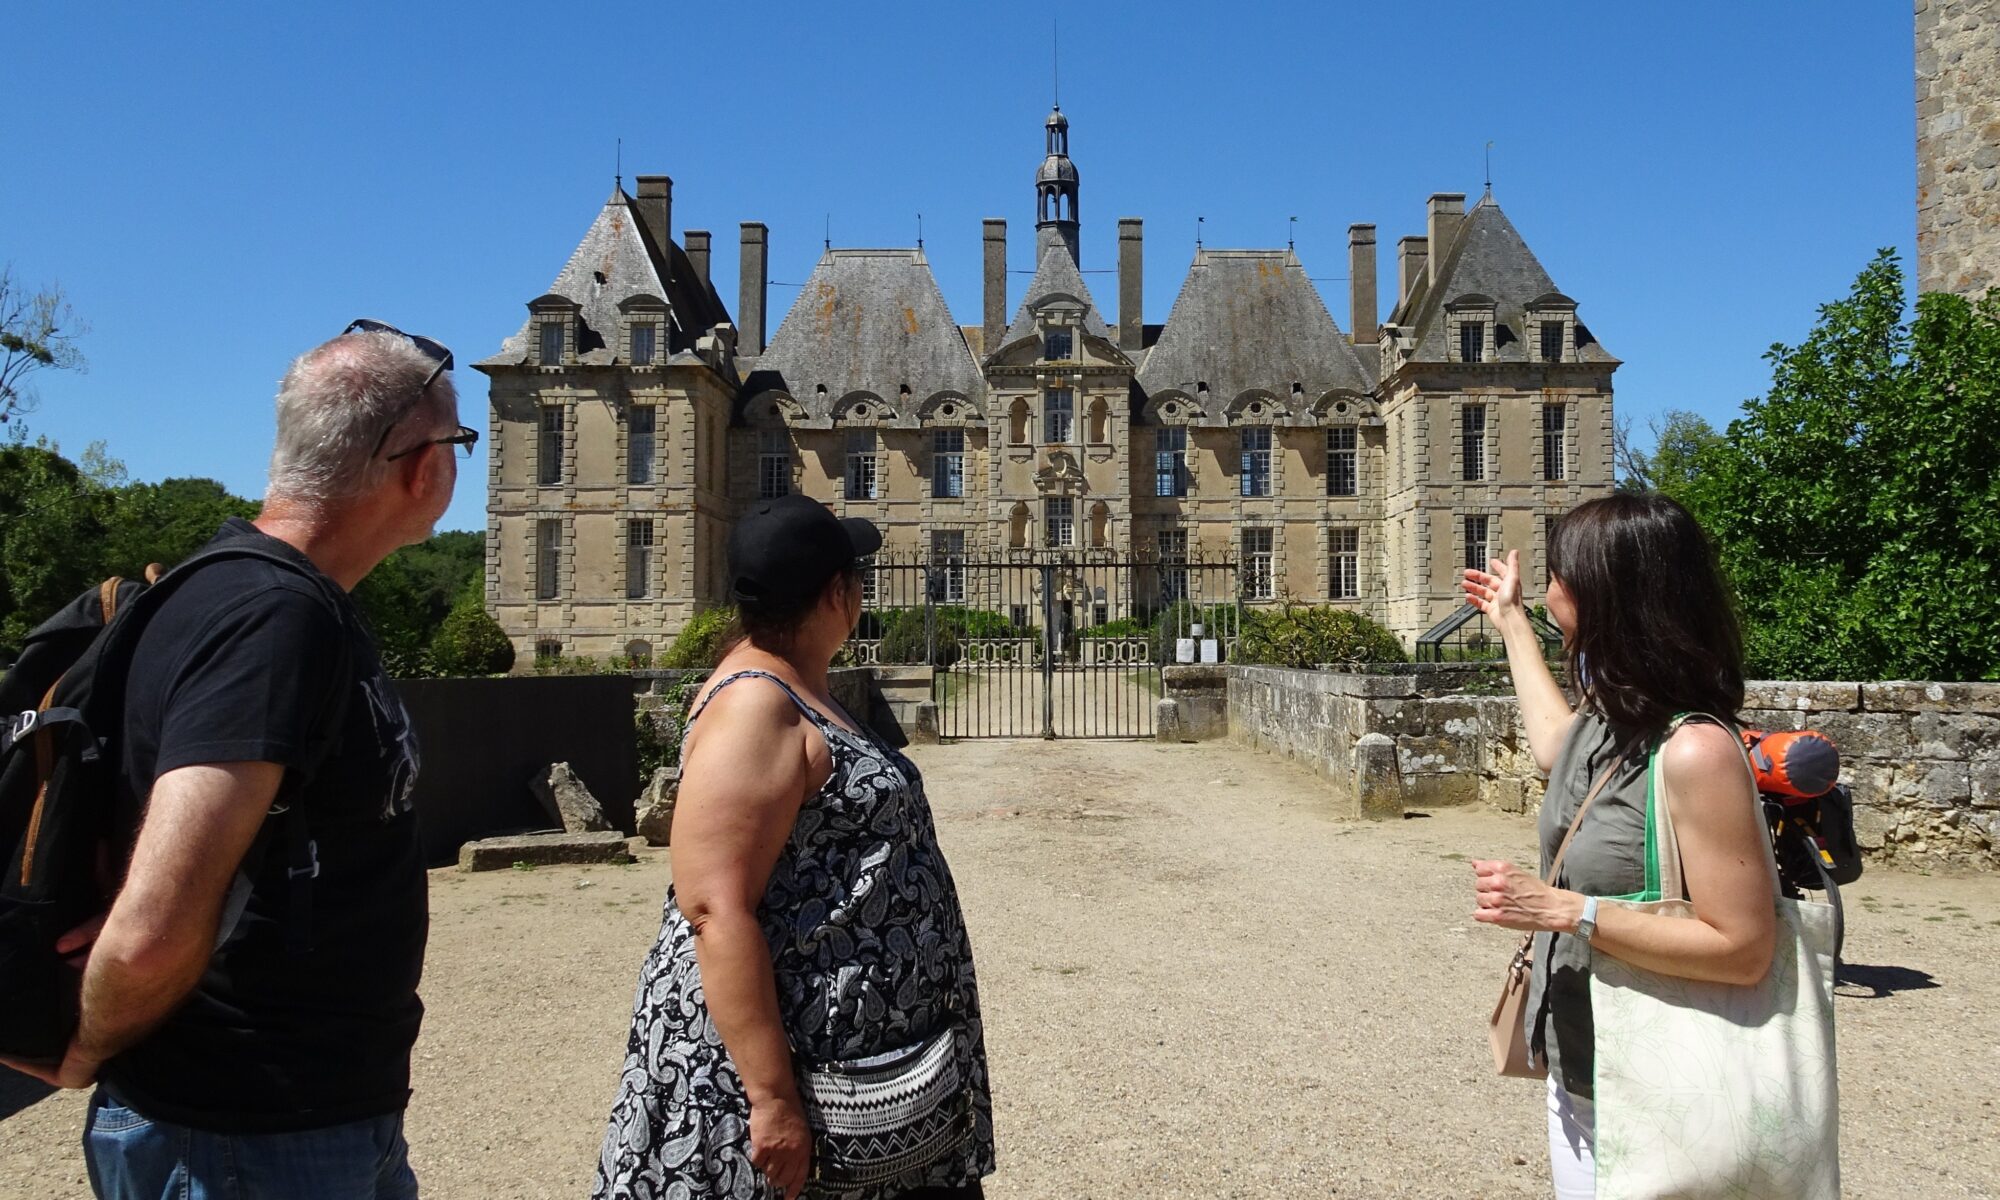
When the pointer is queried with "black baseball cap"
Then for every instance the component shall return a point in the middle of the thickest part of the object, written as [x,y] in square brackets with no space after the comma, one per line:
[786,549]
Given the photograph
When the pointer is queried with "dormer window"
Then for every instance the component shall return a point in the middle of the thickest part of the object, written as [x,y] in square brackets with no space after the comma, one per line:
[1551,337]
[1471,328]
[1472,341]
[1552,319]
[551,343]
[1058,345]
[644,335]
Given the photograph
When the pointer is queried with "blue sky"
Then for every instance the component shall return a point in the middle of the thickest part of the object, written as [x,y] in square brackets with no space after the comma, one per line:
[218,190]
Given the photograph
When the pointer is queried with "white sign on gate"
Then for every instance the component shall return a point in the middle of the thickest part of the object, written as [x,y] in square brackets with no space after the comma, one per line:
[1184,650]
[1209,652]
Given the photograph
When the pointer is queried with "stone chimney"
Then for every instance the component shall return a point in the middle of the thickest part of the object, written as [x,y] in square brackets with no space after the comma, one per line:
[656,210]
[751,285]
[1411,253]
[1447,212]
[695,242]
[996,283]
[1362,312]
[1131,284]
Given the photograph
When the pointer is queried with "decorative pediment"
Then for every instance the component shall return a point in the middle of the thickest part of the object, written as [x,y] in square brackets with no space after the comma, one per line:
[1255,407]
[863,409]
[951,409]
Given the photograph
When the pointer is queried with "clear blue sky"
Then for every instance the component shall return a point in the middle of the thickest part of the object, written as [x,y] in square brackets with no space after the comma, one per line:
[218,191]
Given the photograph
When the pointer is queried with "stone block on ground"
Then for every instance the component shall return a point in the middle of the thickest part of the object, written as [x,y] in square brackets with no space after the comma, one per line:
[544,850]
[655,810]
[1443,790]
[1378,782]
[568,800]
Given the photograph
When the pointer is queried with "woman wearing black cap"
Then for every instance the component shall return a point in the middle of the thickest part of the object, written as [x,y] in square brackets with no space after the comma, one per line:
[808,1017]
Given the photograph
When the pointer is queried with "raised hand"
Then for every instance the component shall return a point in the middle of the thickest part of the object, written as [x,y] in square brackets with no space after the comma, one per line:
[1497,593]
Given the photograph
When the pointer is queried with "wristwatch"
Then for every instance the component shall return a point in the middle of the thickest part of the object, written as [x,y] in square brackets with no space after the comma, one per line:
[1586,925]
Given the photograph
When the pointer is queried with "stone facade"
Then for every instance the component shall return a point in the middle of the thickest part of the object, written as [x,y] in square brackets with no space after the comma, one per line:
[1919,758]
[1958,145]
[631,420]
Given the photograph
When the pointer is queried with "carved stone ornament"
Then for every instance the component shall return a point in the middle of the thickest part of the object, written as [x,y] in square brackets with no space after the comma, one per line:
[1062,475]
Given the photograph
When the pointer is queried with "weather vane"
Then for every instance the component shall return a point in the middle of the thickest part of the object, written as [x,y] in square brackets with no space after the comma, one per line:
[1197,231]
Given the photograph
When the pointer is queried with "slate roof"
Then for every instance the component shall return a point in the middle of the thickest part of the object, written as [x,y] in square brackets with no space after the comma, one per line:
[1487,258]
[1056,273]
[1250,319]
[615,261]
[869,321]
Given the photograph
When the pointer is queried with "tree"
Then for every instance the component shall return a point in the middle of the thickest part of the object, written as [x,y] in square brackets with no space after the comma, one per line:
[37,333]
[408,596]
[1679,436]
[52,522]
[471,642]
[165,522]
[1856,505]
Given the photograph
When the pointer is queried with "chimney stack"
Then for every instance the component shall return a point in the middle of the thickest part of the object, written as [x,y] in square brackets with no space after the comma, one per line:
[1447,212]
[656,210]
[1410,255]
[752,283]
[1362,312]
[1131,284]
[996,283]
[695,242]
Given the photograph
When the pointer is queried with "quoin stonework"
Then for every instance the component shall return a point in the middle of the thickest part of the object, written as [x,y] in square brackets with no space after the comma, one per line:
[633,416]
[1958,145]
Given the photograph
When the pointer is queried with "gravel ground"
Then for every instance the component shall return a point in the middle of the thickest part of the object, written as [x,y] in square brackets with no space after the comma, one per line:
[1197,984]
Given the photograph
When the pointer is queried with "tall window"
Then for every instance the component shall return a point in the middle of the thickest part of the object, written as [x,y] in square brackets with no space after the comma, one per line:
[639,443]
[1255,477]
[871,591]
[1552,341]
[552,343]
[1343,476]
[948,464]
[948,561]
[1256,568]
[861,476]
[1059,526]
[642,343]
[1344,555]
[1170,473]
[1173,565]
[638,559]
[1057,345]
[1555,450]
[1472,341]
[1477,549]
[548,556]
[1472,439]
[1058,416]
[552,446]
[774,464]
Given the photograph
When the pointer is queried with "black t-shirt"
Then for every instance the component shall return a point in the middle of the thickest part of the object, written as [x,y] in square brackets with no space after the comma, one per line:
[245,664]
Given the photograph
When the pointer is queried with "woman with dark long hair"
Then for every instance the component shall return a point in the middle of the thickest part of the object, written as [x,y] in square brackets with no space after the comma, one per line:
[1649,639]
[808,1016]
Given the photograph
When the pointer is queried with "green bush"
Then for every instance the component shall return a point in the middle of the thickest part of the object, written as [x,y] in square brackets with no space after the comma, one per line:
[470,641]
[1310,636]
[1123,627]
[699,643]
[1176,621]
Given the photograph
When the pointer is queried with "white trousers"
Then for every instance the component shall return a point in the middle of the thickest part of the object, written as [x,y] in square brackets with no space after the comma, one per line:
[1572,1144]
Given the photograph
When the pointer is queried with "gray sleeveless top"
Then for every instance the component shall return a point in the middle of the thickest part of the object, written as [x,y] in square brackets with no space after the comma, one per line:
[1608,858]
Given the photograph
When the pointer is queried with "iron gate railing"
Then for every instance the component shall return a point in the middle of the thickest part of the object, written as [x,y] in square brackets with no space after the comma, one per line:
[1045,645]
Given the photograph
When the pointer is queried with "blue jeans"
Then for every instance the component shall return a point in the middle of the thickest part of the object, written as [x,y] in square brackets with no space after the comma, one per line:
[132,1158]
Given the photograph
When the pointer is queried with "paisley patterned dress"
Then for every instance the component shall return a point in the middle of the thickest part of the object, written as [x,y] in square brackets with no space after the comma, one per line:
[870,954]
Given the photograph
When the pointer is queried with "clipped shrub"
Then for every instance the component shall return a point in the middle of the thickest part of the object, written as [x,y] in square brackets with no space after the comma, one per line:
[699,643]
[470,641]
[1308,637]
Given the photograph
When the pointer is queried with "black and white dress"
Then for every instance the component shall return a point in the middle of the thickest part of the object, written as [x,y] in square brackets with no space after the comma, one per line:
[870,954]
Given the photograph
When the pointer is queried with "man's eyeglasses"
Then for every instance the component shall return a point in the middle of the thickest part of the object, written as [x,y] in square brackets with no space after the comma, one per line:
[465,439]
[434,350]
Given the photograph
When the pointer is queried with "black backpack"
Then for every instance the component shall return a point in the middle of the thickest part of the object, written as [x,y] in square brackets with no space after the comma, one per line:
[63,827]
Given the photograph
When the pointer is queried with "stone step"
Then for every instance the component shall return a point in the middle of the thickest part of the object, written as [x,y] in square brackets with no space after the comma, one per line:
[544,850]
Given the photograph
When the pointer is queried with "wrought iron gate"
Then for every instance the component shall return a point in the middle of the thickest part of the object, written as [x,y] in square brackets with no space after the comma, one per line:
[1044,645]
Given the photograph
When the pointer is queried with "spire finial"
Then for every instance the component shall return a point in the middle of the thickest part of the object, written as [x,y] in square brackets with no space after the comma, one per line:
[920,231]
[1489,170]
[1055,61]
[618,169]
[1198,221]
[1291,230]
[827,244]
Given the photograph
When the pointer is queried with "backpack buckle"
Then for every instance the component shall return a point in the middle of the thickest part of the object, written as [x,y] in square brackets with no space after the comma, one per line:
[25,724]
[309,871]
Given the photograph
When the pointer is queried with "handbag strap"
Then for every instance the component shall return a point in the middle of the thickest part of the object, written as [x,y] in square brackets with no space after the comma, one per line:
[1597,789]
[1673,879]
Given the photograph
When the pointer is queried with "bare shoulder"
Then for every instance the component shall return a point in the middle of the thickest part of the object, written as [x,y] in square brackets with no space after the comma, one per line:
[753,700]
[1702,753]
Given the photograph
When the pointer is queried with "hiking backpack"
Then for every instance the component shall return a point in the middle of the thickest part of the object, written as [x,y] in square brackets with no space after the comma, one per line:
[64,830]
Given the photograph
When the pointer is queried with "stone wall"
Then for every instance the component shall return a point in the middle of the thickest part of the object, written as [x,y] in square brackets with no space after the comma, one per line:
[1958,145]
[1919,757]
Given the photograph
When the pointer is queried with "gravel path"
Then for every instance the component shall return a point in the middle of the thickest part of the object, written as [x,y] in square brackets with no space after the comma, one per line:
[1197,984]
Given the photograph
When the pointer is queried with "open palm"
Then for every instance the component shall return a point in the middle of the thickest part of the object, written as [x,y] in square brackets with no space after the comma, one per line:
[1497,592]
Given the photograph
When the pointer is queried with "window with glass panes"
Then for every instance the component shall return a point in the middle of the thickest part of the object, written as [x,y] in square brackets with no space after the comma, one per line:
[1258,583]
[1059,521]
[1173,546]
[861,465]
[948,463]
[638,559]
[639,432]
[1170,473]
[642,343]
[552,343]
[1555,441]
[870,586]
[1477,549]
[1472,442]
[1255,476]
[551,450]
[548,556]
[1472,341]
[774,464]
[1344,559]
[1343,474]
[1058,416]
[1056,345]
[948,561]
[1552,341]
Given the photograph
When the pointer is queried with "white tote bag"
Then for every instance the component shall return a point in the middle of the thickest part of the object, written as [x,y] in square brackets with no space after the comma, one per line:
[1714,1090]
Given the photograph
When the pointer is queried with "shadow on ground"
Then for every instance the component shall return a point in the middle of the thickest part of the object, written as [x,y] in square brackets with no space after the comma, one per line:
[1881,981]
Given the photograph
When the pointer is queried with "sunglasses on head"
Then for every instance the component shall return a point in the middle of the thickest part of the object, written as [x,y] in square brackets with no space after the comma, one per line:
[434,350]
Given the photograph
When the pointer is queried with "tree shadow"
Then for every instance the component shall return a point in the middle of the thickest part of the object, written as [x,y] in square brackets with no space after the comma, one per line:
[1882,982]
[19,1092]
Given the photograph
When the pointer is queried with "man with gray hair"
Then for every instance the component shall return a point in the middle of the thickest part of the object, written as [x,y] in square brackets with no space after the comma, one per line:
[249,1005]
